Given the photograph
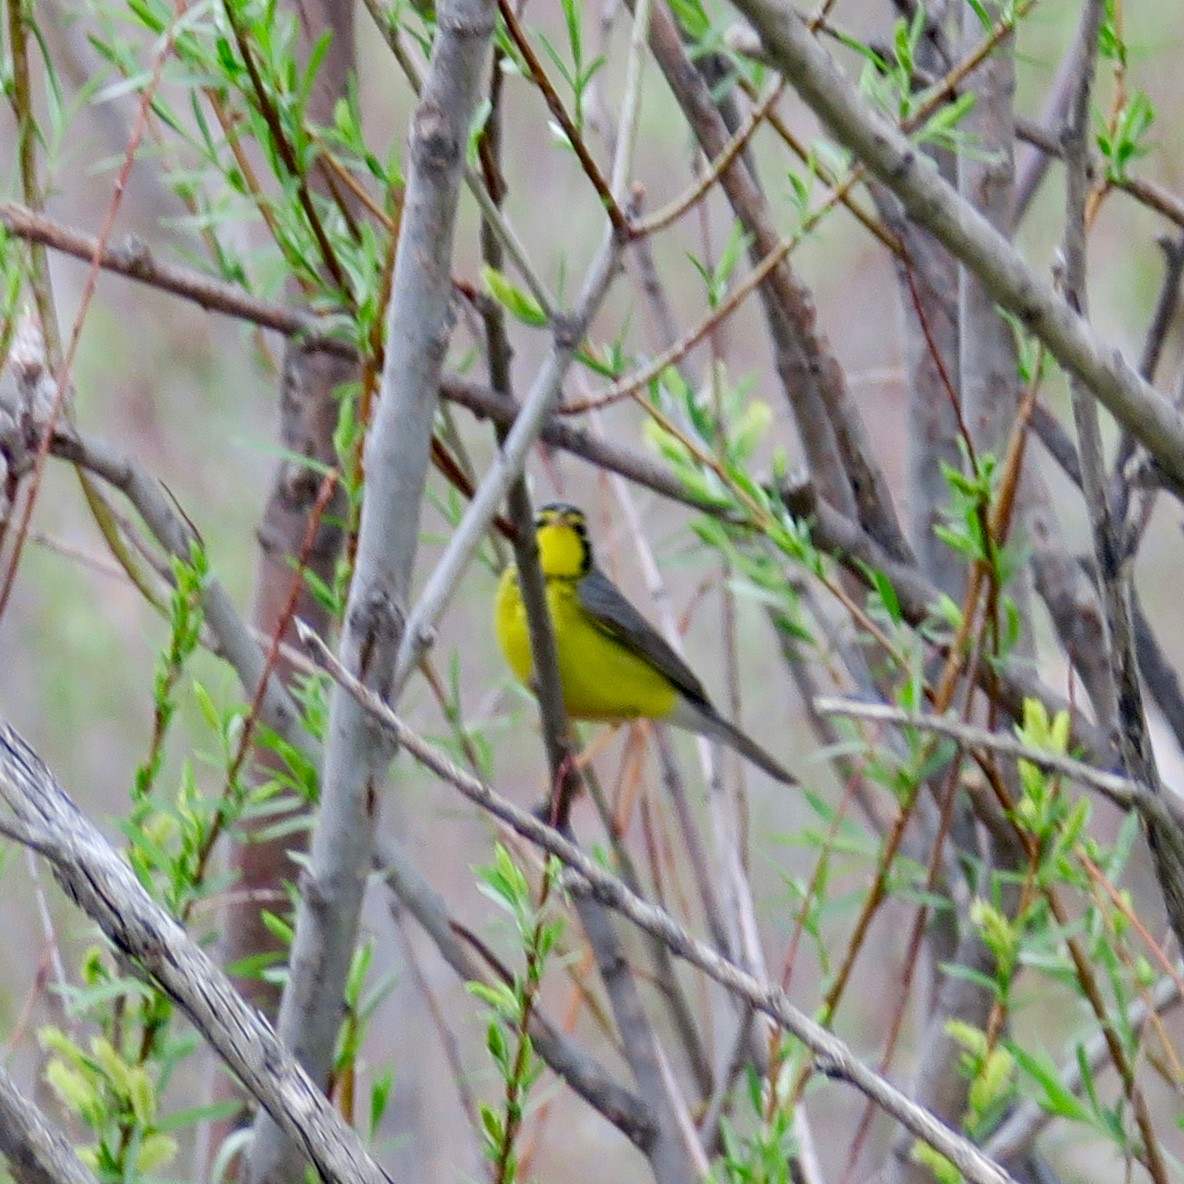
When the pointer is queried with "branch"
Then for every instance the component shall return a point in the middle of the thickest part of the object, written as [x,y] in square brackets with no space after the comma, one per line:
[1134,736]
[1011,683]
[625,1110]
[933,204]
[104,886]
[1122,791]
[135,261]
[507,465]
[37,1153]
[173,531]
[835,1058]
[396,458]
[833,433]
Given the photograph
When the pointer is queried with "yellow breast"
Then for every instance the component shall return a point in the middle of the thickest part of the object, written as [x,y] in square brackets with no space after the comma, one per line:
[601,678]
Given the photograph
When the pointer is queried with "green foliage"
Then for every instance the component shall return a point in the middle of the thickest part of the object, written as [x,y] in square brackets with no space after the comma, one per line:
[1057,1099]
[517,302]
[974,491]
[12,282]
[116,1099]
[1122,135]
[1042,808]
[944,1172]
[1033,361]
[717,278]
[890,84]
[1111,43]
[361,1003]
[185,621]
[511,1004]
[763,1152]
[1124,140]
[240,61]
[574,68]
[710,439]
[112,1081]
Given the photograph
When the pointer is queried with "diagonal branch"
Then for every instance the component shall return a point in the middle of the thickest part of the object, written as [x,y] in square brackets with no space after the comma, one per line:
[834,1058]
[104,886]
[628,1112]
[932,203]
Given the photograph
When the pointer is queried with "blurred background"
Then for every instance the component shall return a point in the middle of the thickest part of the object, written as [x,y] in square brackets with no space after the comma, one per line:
[193,396]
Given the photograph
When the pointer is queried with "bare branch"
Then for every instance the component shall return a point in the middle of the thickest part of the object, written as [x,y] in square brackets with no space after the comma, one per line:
[396,466]
[420,629]
[36,1152]
[175,534]
[104,886]
[135,261]
[1122,791]
[834,1057]
[932,203]
[625,1110]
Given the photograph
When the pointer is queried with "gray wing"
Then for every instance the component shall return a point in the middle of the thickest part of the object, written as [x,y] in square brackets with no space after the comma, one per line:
[612,613]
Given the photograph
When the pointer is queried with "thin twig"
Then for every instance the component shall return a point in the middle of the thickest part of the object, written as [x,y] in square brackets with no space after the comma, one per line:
[63,375]
[135,261]
[1122,791]
[539,77]
[835,1058]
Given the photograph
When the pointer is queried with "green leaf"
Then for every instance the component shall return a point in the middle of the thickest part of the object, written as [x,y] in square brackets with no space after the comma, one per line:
[980,10]
[518,303]
[1057,1098]
[156,1150]
[492,1122]
[191,1116]
[499,996]
[380,1093]
[495,1042]
[887,594]
[945,119]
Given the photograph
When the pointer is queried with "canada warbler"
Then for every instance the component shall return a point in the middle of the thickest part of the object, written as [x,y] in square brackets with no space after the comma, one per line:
[613,665]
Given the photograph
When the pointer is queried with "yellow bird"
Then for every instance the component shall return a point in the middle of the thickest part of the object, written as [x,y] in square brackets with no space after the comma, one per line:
[613,665]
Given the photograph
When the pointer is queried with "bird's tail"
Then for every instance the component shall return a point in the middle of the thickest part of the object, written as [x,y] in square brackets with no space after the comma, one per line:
[705,720]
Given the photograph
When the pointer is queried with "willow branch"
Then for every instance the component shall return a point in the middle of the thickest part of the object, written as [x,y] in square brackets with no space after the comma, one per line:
[934,204]
[834,1058]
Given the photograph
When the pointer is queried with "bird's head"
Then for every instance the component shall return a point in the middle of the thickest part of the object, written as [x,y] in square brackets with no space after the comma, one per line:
[561,531]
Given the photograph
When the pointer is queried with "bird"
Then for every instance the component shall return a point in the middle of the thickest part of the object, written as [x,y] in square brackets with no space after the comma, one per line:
[613,664]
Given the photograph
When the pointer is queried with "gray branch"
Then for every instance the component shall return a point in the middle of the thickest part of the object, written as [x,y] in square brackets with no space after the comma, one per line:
[834,1058]
[173,531]
[507,465]
[397,452]
[104,886]
[934,204]
[624,1109]
[36,1152]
